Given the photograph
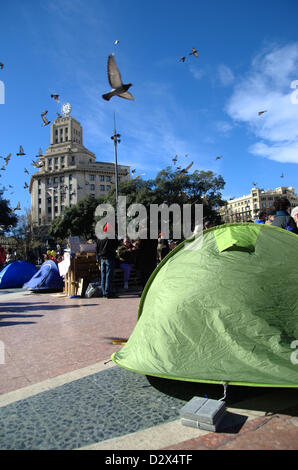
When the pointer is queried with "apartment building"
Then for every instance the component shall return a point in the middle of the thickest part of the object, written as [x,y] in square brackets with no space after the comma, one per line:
[247,207]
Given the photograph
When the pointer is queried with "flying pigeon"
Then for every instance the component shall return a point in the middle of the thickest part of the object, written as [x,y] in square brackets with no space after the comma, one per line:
[114,77]
[138,176]
[18,208]
[133,171]
[116,42]
[282,175]
[254,183]
[7,159]
[39,153]
[26,186]
[59,115]
[56,97]
[21,151]
[217,158]
[36,164]
[194,52]
[3,168]
[45,120]
[1,65]
[175,159]
[26,171]
[185,170]
[182,59]
[262,112]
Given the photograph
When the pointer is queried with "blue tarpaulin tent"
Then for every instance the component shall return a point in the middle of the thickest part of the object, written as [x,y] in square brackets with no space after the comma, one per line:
[16,274]
[46,278]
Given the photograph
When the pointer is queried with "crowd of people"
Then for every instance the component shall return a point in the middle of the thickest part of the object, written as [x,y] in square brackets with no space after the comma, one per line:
[144,254]
[280,215]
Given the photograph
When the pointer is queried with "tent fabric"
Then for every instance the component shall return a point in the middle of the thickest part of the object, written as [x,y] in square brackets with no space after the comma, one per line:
[15,274]
[221,308]
[46,278]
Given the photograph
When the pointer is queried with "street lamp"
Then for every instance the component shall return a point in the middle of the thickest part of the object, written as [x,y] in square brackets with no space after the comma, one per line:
[116,138]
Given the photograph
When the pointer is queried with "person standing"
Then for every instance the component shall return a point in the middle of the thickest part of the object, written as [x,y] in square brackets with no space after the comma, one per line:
[126,257]
[2,257]
[106,251]
[262,218]
[282,217]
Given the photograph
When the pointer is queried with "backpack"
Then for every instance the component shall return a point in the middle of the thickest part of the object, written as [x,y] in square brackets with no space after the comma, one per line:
[288,227]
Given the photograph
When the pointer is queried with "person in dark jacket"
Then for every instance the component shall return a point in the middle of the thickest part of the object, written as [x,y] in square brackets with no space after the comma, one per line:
[146,258]
[106,251]
[2,257]
[282,217]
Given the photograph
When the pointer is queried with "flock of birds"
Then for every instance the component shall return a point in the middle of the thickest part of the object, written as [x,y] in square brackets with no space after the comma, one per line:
[118,88]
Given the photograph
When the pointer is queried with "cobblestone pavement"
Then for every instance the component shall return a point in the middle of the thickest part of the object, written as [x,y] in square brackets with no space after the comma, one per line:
[59,389]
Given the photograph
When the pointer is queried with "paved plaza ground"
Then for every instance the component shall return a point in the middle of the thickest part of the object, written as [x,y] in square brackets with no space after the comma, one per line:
[60,391]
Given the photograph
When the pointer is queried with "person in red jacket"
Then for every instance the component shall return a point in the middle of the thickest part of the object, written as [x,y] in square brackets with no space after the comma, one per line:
[2,256]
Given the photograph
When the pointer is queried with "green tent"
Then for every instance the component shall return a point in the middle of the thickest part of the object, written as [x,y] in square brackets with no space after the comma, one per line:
[222,307]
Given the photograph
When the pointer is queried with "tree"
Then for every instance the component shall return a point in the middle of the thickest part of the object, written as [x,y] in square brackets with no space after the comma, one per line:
[8,219]
[77,220]
[170,187]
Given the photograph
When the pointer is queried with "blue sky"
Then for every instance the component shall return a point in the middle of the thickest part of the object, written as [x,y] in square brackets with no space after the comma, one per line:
[203,107]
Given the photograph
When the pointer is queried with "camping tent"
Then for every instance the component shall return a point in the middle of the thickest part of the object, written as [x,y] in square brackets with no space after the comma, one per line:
[222,307]
[15,274]
[46,278]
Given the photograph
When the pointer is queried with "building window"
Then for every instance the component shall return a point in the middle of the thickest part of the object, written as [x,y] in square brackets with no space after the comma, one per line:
[56,179]
[101,178]
[92,187]
[108,178]
[92,177]
[108,187]
[72,160]
[49,210]
[61,179]
[102,188]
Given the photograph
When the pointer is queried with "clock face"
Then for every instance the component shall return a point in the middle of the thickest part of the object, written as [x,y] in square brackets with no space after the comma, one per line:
[66,108]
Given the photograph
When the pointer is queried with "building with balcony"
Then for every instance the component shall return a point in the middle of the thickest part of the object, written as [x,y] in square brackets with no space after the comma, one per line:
[246,208]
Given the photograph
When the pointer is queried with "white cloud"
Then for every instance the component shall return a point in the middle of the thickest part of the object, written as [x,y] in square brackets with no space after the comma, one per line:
[267,86]
[225,75]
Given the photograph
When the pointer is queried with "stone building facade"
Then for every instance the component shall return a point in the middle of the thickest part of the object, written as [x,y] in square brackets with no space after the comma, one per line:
[68,172]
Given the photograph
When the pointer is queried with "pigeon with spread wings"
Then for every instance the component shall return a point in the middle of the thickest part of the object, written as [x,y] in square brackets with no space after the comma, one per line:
[21,151]
[219,157]
[7,159]
[194,52]
[262,112]
[185,170]
[115,80]
[56,97]
[45,120]
[1,65]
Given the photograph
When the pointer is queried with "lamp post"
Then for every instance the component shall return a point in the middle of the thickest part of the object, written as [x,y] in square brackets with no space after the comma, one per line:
[116,138]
